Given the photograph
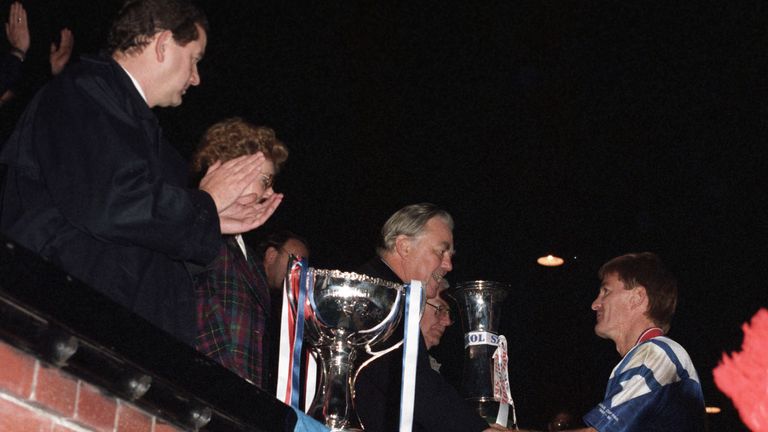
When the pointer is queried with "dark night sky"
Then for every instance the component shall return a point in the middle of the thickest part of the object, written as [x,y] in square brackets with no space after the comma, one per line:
[588,129]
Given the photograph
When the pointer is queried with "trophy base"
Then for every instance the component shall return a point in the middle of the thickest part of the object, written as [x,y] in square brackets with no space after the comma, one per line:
[489,411]
[336,424]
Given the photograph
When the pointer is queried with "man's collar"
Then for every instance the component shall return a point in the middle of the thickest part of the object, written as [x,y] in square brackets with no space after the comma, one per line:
[135,83]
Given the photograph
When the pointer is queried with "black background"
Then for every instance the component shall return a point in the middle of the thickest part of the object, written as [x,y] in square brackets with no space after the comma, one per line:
[585,129]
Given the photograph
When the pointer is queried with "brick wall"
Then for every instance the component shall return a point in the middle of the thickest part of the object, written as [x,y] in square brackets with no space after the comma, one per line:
[36,397]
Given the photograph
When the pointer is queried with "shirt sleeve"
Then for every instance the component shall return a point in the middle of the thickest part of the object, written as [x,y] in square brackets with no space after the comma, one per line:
[10,71]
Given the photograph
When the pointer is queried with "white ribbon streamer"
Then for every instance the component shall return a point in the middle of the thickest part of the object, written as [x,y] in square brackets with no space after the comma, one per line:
[413,298]
[285,353]
[501,390]
[311,388]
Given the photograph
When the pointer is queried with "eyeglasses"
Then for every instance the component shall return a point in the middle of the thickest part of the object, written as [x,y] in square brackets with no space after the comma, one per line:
[267,180]
[441,311]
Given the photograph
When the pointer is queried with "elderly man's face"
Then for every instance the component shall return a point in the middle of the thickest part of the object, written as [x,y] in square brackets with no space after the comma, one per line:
[434,321]
[428,255]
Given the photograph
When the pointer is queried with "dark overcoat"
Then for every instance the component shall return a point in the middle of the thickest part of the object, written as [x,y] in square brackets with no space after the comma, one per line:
[93,187]
[437,405]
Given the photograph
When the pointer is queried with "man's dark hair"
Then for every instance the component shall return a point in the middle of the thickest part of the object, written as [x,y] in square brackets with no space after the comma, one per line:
[645,269]
[277,240]
[139,20]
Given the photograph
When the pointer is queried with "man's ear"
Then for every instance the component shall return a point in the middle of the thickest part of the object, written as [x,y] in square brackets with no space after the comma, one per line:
[270,255]
[162,39]
[403,245]
[640,297]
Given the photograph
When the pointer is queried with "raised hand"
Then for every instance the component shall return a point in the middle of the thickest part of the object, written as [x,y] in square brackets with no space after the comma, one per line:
[60,54]
[17,30]
[225,182]
[242,217]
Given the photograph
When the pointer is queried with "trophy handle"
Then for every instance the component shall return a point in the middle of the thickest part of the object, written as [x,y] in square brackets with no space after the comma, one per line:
[374,355]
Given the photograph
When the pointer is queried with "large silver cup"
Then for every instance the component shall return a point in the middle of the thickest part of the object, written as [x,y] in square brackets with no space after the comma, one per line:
[348,312]
[480,305]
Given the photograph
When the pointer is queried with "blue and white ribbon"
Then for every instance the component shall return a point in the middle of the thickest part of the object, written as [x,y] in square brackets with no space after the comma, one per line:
[413,303]
[291,334]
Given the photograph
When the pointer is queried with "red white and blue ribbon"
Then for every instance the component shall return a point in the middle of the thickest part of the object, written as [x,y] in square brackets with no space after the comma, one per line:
[291,334]
[501,390]
[412,315]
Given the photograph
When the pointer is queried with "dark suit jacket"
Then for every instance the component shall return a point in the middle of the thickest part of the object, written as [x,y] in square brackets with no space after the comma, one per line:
[93,187]
[437,405]
[10,71]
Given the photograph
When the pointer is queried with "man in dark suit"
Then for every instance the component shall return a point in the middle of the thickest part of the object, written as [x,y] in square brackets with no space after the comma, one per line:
[94,187]
[272,256]
[416,244]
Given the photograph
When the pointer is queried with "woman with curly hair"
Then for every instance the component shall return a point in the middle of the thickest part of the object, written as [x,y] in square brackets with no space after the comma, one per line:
[233,301]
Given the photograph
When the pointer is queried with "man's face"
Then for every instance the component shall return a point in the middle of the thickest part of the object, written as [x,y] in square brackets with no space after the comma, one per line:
[614,309]
[428,258]
[434,322]
[276,261]
[179,69]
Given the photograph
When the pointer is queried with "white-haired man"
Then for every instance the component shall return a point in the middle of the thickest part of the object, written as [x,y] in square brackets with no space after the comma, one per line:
[416,244]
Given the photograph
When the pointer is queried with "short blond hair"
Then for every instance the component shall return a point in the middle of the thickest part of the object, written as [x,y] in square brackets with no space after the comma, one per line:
[234,137]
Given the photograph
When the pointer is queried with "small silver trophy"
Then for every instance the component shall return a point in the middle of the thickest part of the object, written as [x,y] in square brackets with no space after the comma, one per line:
[480,305]
[349,311]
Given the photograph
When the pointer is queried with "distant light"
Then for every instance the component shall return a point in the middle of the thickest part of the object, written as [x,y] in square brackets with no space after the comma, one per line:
[550,261]
[712,410]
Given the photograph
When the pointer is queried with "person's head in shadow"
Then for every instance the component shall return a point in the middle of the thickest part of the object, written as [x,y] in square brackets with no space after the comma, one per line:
[562,420]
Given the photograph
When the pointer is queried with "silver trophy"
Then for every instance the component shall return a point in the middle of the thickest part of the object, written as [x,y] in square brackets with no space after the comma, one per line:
[480,305]
[348,312]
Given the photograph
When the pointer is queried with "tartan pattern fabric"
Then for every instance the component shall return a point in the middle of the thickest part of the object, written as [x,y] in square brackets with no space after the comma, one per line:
[232,313]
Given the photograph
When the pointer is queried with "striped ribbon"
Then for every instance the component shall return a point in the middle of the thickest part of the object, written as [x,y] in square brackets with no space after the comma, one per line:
[501,391]
[291,334]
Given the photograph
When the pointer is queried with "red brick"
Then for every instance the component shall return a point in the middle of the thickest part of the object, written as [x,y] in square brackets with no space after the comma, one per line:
[17,418]
[56,391]
[17,371]
[161,426]
[130,419]
[95,409]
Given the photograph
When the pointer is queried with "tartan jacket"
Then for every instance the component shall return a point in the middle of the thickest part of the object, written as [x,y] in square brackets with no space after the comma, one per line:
[233,309]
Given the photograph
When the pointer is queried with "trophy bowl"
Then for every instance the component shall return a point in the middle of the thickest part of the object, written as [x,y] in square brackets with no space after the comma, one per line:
[348,311]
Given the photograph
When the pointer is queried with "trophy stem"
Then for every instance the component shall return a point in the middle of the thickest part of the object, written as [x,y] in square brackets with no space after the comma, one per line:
[337,407]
